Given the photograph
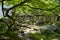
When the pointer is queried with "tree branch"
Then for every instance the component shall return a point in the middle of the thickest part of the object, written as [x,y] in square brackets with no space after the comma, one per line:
[13,8]
[42,8]
[2,7]
[4,22]
[11,16]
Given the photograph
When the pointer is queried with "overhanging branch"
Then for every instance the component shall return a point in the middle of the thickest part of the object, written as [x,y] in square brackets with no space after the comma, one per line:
[13,8]
[43,8]
[11,16]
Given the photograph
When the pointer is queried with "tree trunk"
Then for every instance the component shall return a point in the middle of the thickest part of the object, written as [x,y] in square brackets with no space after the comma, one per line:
[58,18]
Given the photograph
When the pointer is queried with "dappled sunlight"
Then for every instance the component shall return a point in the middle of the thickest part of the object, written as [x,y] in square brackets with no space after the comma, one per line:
[29,20]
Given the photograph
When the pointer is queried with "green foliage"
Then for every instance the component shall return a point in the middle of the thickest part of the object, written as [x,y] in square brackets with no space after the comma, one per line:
[47,9]
[38,36]
[58,24]
[13,36]
[42,4]
[3,28]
